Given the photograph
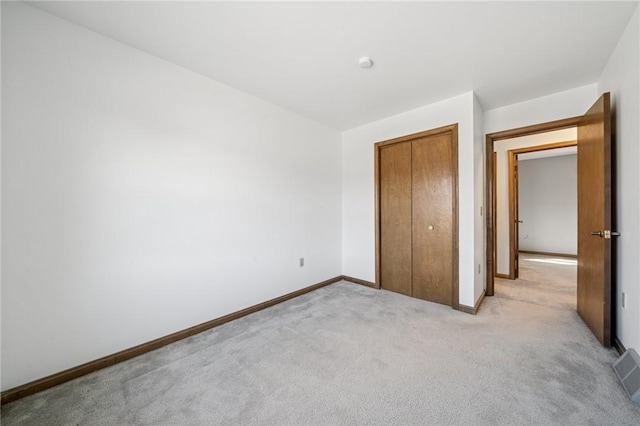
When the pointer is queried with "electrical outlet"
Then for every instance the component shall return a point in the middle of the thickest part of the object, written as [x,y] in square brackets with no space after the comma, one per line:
[624,300]
[301,262]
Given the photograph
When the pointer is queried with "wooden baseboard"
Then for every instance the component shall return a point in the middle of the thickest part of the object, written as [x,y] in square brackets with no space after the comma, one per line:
[109,360]
[359,281]
[476,307]
[619,346]
[545,253]
[505,276]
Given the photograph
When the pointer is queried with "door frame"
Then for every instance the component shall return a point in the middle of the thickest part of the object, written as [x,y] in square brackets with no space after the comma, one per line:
[453,129]
[491,139]
[514,195]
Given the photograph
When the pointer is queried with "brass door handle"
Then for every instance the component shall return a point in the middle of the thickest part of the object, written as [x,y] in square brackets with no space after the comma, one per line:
[597,233]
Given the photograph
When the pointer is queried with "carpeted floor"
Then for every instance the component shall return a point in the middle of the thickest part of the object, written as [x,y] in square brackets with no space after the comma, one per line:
[544,280]
[348,354]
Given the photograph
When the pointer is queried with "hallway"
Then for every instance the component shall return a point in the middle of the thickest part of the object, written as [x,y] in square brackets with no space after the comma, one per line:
[544,280]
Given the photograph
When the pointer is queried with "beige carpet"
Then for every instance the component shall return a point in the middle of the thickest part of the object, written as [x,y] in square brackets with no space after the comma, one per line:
[347,354]
[544,280]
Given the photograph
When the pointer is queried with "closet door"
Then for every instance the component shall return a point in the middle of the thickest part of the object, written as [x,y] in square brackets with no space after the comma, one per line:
[395,217]
[417,226]
[432,212]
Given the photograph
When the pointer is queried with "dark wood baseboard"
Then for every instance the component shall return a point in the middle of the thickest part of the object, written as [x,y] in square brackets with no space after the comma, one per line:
[505,276]
[619,346]
[546,253]
[359,281]
[109,360]
[476,307]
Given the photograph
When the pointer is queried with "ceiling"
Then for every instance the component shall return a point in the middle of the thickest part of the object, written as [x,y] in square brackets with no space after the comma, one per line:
[304,56]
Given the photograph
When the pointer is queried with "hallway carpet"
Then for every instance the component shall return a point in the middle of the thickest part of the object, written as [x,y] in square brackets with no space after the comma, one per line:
[347,354]
[544,280]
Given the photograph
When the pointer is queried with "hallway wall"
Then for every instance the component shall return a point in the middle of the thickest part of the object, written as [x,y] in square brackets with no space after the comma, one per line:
[548,200]
[620,77]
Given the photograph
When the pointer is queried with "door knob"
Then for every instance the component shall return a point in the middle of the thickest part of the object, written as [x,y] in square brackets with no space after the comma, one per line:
[430,227]
[606,234]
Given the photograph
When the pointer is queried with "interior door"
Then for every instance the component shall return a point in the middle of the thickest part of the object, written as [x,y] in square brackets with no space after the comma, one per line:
[594,219]
[433,216]
[395,217]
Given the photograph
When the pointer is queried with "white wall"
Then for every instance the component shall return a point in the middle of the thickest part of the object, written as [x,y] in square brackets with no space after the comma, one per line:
[501,148]
[557,106]
[621,78]
[0,199]
[140,198]
[548,204]
[358,236]
[480,228]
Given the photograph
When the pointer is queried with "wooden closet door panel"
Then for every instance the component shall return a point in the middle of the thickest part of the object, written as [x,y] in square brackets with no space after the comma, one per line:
[395,218]
[432,210]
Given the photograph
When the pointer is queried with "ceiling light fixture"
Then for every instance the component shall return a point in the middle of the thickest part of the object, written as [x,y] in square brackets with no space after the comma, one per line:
[365,63]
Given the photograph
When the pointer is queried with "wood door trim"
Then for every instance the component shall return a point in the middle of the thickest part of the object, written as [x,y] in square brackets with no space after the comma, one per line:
[512,219]
[491,139]
[426,133]
[492,255]
[378,146]
[546,253]
[490,214]
[534,129]
[455,302]
[513,195]
[376,177]
[545,147]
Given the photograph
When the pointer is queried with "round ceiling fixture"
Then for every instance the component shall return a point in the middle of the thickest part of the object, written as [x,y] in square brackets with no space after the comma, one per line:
[365,63]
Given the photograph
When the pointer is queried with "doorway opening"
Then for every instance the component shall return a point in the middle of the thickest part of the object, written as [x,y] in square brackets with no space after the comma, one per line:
[536,218]
[542,220]
[493,180]
[594,211]
[547,200]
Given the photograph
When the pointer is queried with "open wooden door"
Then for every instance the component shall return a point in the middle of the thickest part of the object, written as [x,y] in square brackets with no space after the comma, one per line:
[594,219]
